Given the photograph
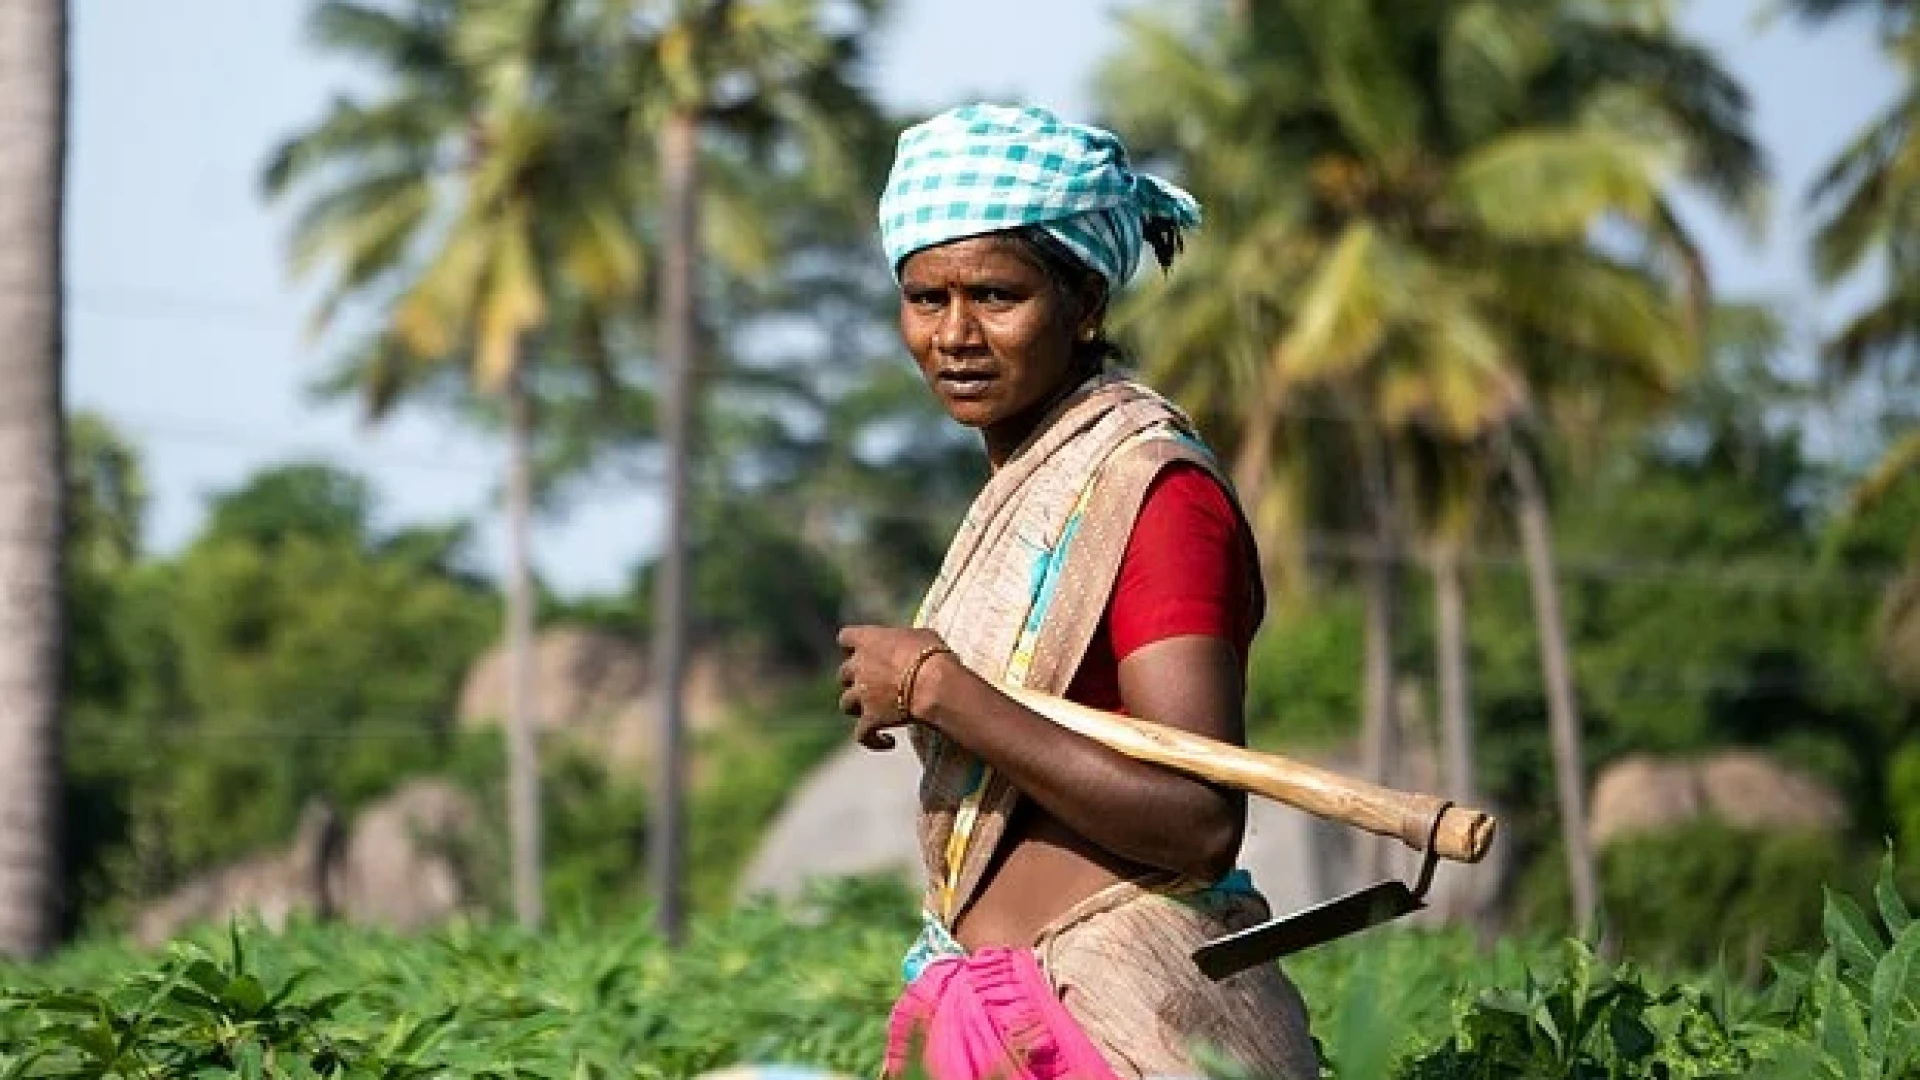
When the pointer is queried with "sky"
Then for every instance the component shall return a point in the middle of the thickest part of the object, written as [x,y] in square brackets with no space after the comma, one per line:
[185,330]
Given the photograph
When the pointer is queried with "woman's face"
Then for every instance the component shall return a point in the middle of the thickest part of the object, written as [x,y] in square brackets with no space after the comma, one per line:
[993,333]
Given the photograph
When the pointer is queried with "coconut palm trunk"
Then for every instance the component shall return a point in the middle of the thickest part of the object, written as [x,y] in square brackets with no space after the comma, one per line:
[1380,599]
[1453,674]
[523,747]
[679,162]
[33,51]
[1563,710]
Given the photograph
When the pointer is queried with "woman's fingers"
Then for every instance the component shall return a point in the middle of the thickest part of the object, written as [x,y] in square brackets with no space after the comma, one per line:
[870,721]
[868,734]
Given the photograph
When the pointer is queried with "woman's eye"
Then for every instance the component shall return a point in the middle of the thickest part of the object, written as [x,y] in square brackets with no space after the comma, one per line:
[997,297]
[923,300]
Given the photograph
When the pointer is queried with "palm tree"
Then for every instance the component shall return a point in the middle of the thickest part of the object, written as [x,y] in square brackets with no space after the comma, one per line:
[1870,199]
[33,114]
[766,73]
[1453,488]
[485,203]
[1427,262]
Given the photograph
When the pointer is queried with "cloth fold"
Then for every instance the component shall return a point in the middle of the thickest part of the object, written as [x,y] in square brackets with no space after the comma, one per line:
[991,1013]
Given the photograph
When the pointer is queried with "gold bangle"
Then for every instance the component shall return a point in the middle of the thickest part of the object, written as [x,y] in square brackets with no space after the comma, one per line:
[903,696]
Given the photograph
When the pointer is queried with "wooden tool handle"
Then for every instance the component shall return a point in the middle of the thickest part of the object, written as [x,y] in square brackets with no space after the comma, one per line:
[1462,834]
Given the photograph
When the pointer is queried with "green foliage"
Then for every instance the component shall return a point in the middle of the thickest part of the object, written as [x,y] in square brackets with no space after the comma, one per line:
[1377,998]
[597,811]
[811,986]
[1903,796]
[1701,608]
[593,828]
[308,500]
[289,653]
[748,770]
[758,584]
[1853,1013]
[1704,894]
[1585,1018]
[1300,684]
[584,1002]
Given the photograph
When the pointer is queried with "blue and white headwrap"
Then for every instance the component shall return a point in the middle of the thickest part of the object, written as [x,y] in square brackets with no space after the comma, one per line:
[987,168]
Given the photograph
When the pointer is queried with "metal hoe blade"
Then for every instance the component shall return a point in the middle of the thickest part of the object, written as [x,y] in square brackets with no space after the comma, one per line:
[1319,924]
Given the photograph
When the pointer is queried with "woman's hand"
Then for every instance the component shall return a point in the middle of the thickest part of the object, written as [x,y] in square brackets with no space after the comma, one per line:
[870,678]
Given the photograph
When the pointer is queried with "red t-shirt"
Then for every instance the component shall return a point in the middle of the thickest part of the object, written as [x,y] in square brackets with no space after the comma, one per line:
[1186,571]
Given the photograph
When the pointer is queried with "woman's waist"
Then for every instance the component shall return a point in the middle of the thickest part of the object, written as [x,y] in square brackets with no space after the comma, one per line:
[1042,872]
[1157,903]
[1047,875]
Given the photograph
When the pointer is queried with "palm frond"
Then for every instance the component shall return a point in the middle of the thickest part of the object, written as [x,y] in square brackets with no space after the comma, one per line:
[1887,330]
[1550,185]
[1378,105]
[1677,93]
[1345,310]
[1573,304]
[1490,54]
[1900,463]
[1863,188]
[396,134]
[512,305]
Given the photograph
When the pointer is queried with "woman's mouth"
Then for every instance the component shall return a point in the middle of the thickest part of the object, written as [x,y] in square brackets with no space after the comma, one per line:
[965,384]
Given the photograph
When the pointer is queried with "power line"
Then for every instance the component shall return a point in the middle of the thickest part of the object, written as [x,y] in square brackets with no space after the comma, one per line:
[1674,685]
[1620,568]
[118,302]
[215,434]
[1354,548]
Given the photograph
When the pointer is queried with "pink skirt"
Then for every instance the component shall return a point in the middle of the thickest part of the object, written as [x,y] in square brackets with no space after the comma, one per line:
[989,1014]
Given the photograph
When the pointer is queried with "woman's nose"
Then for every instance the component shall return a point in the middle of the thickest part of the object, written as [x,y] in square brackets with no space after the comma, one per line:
[958,328]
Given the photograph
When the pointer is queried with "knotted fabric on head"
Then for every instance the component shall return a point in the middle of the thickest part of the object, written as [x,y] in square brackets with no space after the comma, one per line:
[980,169]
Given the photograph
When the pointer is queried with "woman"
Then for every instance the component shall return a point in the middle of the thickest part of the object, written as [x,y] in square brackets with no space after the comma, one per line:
[1106,561]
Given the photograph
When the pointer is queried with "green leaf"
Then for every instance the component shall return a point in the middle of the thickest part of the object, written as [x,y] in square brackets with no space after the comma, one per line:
[58,1002]
[249,1059]
[1633,1039]
[245,995]
[21,1064]
[1895,991]
[238,955]
[1852,936]
[207,975]
[289,988]
[1842,1032]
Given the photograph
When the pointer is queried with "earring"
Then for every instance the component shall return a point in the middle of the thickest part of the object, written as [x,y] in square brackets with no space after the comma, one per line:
[1087,335]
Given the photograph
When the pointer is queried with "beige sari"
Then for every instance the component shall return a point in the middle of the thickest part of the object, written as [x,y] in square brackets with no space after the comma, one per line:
[1019,597]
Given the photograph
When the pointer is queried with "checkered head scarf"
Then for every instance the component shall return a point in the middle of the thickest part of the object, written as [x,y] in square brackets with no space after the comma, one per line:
[987,168]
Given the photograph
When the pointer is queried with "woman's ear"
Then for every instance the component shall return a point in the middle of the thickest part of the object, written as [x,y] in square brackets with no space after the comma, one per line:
[1093,308]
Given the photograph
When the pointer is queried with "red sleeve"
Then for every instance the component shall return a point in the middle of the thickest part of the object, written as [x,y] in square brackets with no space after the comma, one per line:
[1188,568]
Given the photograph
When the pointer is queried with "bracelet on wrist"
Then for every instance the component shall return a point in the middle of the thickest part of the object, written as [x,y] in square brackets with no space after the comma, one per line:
[903,696]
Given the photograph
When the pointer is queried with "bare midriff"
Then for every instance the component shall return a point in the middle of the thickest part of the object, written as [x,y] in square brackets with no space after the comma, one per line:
[1042,870]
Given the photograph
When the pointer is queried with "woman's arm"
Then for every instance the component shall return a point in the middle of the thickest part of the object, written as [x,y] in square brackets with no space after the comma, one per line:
[1139,811]
[1183,609]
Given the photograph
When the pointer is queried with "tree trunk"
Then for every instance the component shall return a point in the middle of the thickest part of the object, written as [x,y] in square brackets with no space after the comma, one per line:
[679,324]
[1563,710]
[1278,544]
[1450,656]
[33,513]
[1380,591]
[523,747]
